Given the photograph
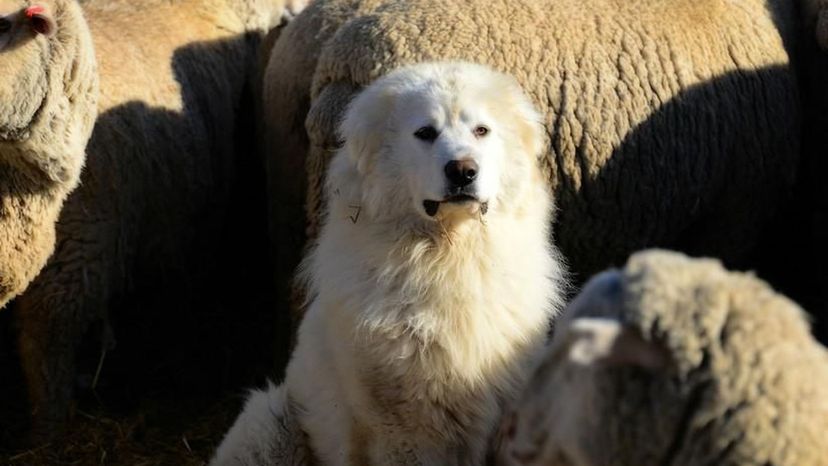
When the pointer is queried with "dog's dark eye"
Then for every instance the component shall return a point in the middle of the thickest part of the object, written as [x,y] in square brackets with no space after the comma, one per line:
[426,133]
[481,131]
[5,25]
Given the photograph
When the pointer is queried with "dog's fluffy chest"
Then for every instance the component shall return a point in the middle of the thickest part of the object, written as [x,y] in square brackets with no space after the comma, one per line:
[438,351]
[457,312]
[440,375]
[423,340]
[417,386]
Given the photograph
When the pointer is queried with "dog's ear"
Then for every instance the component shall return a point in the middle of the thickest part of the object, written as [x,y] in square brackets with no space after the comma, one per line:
[364,126]
[530,129]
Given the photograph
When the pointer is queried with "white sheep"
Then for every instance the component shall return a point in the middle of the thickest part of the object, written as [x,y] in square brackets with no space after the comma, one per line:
[677,361]
[48,101]
[160,163]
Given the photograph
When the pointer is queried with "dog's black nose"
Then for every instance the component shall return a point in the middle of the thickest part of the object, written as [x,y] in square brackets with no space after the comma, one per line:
[461,173]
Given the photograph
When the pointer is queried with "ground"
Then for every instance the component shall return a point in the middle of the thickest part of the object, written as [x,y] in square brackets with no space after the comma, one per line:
[164,400]
[156,434]
[175,380]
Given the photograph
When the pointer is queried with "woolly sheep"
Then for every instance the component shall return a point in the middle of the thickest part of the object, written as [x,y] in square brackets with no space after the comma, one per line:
[48,98]
[676,361]
[656,112]
[157,177]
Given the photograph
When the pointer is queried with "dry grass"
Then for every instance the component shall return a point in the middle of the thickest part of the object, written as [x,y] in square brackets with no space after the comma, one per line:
[166,394]
[158,434]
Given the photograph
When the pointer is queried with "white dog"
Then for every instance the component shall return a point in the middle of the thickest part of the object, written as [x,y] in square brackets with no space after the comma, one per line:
[433,281]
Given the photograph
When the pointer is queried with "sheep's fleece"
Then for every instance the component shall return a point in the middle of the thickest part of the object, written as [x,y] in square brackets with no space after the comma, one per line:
[48,102]
[676,361]
[157,179]
[671,123]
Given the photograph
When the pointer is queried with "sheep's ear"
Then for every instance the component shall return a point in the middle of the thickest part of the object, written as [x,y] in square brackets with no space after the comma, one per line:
[363,127]
[40,19]
[609,342]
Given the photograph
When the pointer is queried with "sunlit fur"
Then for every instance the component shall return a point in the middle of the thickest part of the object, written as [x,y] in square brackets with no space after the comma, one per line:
[48,104]
[419,329]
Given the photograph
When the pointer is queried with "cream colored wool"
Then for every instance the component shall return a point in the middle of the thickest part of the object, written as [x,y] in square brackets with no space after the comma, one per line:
[677,361]
[657,112]
[48,98]
[156,183]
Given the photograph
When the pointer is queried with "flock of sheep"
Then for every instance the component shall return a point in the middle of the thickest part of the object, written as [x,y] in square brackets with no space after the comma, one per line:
[696,125]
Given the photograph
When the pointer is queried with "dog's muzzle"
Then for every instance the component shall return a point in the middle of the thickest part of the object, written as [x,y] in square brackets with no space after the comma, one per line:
[432,207]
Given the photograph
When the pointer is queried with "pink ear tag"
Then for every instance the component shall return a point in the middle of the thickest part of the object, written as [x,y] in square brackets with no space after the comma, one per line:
[34,10]
[40,24]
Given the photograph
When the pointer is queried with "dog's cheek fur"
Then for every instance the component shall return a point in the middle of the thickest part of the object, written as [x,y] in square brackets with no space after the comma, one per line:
[372,147]
[415,170]
[356,195]
[382,195]
[343,185]
[521,131]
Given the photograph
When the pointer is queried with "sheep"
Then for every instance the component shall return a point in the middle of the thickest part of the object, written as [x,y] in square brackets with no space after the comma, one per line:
[48,100]
[656,112]
[677,361]
[157,179]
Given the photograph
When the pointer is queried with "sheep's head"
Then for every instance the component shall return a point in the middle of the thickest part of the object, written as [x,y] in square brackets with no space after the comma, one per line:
[562,418]
[673,360]
[25,32]
[20,22]
[48,88]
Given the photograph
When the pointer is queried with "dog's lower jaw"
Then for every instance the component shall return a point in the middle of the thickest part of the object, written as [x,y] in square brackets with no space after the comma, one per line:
[473,207]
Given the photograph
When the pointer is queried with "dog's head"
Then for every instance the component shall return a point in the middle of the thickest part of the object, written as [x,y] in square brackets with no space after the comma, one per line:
[442,140]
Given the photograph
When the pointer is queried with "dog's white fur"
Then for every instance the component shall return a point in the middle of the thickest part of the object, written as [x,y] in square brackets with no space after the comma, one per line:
[266,433]
[420,328]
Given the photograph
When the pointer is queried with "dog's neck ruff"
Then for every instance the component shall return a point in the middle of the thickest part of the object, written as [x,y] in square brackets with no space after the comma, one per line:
[425,264]
[442,237]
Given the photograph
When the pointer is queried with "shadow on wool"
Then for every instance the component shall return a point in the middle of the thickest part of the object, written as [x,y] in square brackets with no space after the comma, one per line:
[198,322]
